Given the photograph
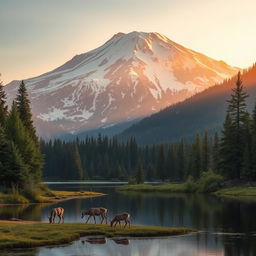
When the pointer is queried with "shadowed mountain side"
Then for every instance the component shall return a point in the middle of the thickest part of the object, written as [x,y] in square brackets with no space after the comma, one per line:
[204,111]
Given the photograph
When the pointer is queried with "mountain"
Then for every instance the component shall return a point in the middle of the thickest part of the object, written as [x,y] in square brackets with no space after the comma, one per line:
[130,76]
[204,111]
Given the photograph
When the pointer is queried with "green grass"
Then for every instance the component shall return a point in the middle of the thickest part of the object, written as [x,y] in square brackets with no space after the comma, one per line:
[176,188]
[47,196]
[40,234]
[238,192]
[13,199]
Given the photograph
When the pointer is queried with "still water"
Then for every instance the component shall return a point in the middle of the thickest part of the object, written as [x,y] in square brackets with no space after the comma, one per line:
[228,227]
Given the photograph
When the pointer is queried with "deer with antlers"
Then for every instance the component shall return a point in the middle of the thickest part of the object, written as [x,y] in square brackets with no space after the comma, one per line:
[121,217]
[56,212]
[100,211]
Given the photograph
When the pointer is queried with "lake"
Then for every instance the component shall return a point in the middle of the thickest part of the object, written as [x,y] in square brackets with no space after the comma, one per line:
[227,227]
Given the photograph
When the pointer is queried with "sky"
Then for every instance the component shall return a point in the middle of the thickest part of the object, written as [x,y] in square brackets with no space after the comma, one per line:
[37,36]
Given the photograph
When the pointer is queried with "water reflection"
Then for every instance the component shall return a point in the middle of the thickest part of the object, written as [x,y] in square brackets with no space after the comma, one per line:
[228,226]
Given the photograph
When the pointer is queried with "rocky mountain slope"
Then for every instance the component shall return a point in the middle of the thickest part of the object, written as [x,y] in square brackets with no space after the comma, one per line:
[203,111]
[131,76]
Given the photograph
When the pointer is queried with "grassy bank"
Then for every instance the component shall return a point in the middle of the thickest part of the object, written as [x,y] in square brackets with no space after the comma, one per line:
[238,192]
[241,193]
[40,234]
[44,196]
[175,188]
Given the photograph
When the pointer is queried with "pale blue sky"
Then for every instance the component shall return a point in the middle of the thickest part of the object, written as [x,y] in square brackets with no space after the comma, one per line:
[39,35]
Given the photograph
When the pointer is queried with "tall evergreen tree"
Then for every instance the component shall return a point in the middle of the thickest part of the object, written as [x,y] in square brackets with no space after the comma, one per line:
[181,161]
[13,171]
[77,169]
[139,176]
[226,164]
[215,153]
[3,106]
[253,144]
[17,133]
[160,168]
[246,172]
[196,158]
[237,114]
[205,153]
[23,105]
[171,163]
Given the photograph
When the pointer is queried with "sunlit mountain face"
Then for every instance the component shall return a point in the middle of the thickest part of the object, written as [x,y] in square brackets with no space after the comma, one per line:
[131,76]
[202,112]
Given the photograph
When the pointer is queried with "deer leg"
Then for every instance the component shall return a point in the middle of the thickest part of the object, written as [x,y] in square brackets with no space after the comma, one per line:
[106,217]
[94,219]
[102,218]
[120,223]
[88,218]
[129,223]
[59,218]
[125,223]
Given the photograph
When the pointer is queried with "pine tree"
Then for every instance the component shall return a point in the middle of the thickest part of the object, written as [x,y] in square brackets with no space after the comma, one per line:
[253,144]
[227,153]
[247,154]
[17,133]
[13,171]
[215,154]
[181,160]
[161,173]
[237,113]
[139,176]
[3,106]
[196,158]
[23,105]
[171,163]
[77,169]
[205,153]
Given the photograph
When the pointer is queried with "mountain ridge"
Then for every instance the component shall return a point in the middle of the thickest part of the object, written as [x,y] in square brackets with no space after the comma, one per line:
[130,76]
[203,111]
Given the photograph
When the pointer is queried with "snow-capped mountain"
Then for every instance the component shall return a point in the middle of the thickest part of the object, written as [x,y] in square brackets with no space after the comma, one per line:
[130,76]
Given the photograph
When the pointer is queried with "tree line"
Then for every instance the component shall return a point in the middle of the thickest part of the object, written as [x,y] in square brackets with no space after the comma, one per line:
[231,153]
[20,156]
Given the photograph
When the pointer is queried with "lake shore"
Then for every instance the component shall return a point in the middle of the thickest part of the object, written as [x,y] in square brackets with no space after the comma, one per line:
[42,234]
[50,196]
[168,187]
[242,193]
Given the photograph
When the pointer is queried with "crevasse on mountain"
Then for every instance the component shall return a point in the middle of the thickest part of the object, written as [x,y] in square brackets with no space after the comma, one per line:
[130,76]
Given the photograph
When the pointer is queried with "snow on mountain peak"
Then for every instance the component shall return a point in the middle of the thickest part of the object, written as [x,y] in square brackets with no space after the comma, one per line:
[130,76]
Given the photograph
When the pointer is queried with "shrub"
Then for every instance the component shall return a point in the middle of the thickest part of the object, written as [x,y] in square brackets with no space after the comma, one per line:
[132,181]
[190,185]
[209,182]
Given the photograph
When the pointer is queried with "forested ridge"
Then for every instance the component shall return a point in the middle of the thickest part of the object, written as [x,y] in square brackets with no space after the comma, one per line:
[230,153]
[203,111]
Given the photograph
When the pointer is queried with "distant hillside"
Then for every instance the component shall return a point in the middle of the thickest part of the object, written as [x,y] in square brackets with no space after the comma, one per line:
[204,111]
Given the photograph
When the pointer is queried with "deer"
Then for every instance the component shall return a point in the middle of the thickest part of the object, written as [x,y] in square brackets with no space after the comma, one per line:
[100,211]
[121,217]
[56,212]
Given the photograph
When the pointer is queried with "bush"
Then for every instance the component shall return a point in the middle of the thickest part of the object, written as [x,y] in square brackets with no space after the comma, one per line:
[132,181]
[12,199]
[190,185]
[209,182]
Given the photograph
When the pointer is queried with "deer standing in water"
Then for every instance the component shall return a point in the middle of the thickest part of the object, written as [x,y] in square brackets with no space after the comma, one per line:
[121,217]
[56,212]
[100,211]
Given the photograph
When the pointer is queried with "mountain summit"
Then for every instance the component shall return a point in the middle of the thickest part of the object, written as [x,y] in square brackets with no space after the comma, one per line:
[130,76]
